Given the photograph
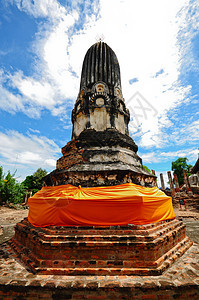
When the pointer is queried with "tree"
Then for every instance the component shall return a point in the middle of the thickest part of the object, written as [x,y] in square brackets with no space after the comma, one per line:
[10,190]
[35,182]
[1,182]
[178,166]
[38,175]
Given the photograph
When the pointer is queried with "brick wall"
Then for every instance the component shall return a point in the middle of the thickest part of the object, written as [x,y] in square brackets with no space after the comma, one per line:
[109,289]
[71,155]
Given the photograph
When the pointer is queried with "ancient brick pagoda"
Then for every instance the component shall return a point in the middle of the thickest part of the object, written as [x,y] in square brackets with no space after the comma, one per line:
[101,153]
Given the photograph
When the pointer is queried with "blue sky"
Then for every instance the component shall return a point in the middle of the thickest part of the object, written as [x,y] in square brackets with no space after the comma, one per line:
[43,43]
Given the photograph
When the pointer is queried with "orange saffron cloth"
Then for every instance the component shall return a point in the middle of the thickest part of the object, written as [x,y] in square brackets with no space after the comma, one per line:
[67,205]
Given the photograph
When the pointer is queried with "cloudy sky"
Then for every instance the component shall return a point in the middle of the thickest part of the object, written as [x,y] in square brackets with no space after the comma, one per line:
[43,43]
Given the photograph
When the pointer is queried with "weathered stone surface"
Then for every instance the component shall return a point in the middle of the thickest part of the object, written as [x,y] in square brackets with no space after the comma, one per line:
[101,151]
[101,250]
[162,181]
[186,181]
[180,281]
[171,184]
[176,183]
[100,158]
[100,104]
[100,64]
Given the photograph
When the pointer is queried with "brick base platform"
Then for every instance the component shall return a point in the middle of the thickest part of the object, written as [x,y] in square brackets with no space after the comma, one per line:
[180,281]
[110,250]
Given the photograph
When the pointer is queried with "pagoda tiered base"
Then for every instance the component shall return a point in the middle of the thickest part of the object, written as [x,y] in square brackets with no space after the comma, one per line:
[101,250]
[100,158]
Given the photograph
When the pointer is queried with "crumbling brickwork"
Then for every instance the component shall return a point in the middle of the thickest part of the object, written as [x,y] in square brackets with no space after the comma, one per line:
[72,155]
[101,250]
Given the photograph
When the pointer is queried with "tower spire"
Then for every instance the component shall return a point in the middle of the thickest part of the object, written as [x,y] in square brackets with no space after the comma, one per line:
[100,104]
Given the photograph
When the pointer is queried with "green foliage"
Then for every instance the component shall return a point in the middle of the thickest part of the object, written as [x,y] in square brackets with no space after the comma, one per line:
[1,182]
[34,182]
[178,166]
[146,169]
[1,177]
[10,190]
[40,173]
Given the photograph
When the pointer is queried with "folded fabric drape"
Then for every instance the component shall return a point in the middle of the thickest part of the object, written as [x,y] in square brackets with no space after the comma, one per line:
[67,205]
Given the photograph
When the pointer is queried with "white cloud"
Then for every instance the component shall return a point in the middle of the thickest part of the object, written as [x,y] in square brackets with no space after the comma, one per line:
[150,157]
[13,103]
[145,41]
[168,156]
[50,162]
[9,101]
[147,36]
[27,151]
[40,8]
[188,133]
[52,81]
[189,31]
[27,157]
[40,93]
[34,130]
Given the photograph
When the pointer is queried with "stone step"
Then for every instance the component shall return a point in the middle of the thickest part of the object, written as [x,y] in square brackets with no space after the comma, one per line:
[103,249]
[95,241]
[112,237]
[108,244]
[97,267]
[102,230]
[99,241]
[94,235]
[128,267]
[49,251]
[97,238]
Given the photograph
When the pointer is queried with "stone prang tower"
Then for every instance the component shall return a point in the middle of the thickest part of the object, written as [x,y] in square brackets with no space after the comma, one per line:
[101,151]
[92,232]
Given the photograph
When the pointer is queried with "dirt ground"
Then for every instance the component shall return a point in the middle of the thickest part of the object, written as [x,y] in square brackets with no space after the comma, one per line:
[10,216]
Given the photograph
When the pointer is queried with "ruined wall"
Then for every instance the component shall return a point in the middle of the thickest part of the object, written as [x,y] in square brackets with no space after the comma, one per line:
[72,155]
